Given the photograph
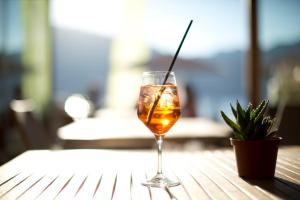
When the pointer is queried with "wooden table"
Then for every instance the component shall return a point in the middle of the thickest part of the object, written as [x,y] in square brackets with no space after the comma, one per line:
[117,174]
[132,133]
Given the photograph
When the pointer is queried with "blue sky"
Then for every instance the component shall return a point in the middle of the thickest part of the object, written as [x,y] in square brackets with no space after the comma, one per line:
[12,25]
[280,22]
[219,25]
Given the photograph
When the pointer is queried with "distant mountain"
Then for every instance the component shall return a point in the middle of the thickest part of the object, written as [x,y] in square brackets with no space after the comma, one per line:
[288,55]
[80,62]
[228,66]
[222,77]
[219,74]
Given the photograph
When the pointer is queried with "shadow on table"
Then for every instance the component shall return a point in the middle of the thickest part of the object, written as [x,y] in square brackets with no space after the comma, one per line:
[278,186]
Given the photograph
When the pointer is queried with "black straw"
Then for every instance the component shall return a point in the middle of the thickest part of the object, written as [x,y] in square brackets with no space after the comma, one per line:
[177,52]
[167,75]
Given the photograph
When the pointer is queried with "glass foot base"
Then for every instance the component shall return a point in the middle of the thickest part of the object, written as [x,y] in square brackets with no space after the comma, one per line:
[160,180]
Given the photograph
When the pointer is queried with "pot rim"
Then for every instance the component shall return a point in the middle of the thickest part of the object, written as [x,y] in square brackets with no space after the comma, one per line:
[234,141]
[271,138]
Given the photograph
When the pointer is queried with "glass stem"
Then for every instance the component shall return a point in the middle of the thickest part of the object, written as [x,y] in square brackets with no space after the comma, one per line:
[159,142]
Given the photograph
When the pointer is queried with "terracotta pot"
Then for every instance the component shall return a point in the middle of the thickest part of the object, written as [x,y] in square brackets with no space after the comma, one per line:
[256,158]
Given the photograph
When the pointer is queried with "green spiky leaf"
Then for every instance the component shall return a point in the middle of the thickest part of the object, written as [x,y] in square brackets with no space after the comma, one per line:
[235,127]
[233,111]
[240,110]
[261,112]
[241,116]
[248,112]
[258,109]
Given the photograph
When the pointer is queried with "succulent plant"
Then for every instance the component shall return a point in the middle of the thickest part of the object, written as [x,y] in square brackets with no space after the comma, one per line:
[250,123]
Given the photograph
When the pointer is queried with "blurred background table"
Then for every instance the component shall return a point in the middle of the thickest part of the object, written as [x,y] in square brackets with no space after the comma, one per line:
[117,174]
[129,132]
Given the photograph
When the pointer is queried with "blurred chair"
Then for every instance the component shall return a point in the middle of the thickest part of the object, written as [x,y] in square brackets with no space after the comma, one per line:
[189,102]
[289,127]
[55,117]
[32,132]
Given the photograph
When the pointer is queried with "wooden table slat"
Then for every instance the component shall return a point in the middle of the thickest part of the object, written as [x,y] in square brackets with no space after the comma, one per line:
[289,174]
[38,188]
[193,189]
[117,174]
[159,194]
[25,185]
[179,192]
[155,193]
[106,186]
[281,190]
[226,171]
[89,187]
[275,187]
[14,182]
[123,185]
[290,170]
[290,162]
[267,186]
[138,191]
[290,182]
[7,177]
[57,186]
[71,189]
[212,189]
[288,166]
[230,189]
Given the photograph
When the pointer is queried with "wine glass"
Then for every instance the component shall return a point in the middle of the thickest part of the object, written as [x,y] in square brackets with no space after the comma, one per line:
[159,109]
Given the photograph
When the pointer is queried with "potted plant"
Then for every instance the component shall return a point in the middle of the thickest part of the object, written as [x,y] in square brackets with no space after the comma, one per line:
[254,142]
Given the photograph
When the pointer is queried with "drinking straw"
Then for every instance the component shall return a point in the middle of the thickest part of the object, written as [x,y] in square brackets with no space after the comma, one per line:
[167,75]
[177,52]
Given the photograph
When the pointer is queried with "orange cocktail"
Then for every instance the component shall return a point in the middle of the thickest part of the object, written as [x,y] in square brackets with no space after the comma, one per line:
[165,113]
